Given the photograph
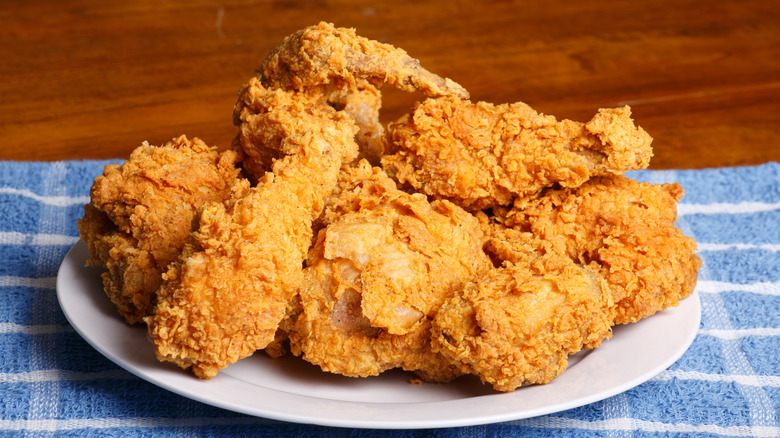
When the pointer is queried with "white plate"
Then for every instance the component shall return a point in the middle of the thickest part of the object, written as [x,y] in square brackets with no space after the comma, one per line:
[289,389]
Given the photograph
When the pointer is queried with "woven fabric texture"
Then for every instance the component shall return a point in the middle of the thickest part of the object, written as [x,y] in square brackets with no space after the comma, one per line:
[53,383]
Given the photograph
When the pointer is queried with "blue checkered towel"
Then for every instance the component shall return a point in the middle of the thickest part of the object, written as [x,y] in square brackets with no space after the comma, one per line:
[52,383]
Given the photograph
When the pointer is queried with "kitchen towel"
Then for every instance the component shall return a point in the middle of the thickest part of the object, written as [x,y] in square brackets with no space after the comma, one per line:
[53,383]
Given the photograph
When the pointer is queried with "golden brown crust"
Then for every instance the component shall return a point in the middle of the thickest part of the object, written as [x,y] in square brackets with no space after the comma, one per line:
[626,230]
[519,323]
[321,253]
[480,155]
[383,264]
[226,295]
[363,104]
[324,54]
[141,212]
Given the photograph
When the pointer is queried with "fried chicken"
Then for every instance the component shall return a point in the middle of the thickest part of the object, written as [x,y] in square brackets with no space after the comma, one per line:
[623,229]
[480,155]
[363,104]
[519,323]
[225,296]
[383,264]
[495,240]
[573,263]
[348,70]
[140,215]
[324,54]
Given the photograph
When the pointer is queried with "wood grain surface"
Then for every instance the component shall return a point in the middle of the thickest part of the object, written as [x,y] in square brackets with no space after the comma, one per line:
[94,79]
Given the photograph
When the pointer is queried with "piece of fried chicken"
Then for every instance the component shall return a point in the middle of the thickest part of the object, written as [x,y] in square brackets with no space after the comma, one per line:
[140,215]
[225,296]
[324,54]
[574,263]
[348,70]
[626,231]
[519,323]
[480,155]
[383,264]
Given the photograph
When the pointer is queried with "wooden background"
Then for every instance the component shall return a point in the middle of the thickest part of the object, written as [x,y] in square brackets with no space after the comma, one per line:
[93,79]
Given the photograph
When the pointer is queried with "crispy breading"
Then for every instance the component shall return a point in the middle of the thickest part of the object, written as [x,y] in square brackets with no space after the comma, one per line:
[519,323]
[363,104]
[324,54]
[480,155]
[140,215]
[383,264]
[225,296]
[624,229]
[497,241]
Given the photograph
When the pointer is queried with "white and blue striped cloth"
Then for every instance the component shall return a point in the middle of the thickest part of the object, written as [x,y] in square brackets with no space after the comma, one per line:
[52,383]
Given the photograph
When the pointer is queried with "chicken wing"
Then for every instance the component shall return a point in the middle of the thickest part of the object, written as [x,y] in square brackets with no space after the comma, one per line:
[324,54]
[348,71]
[140,215]
[480,155]
[574,263]
[626,231]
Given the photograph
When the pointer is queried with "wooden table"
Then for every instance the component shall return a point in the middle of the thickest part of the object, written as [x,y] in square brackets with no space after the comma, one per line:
[93,79]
